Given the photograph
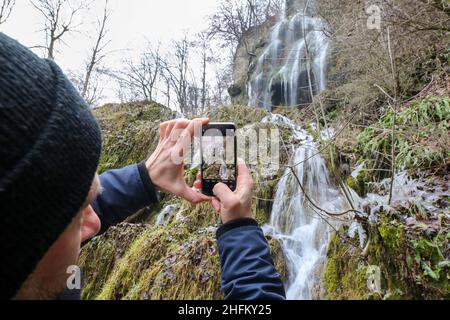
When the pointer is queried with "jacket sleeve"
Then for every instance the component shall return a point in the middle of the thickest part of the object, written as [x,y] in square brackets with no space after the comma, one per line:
[248,271]
[124,192]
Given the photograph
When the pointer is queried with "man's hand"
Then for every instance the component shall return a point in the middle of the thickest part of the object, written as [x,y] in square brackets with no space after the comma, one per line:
[234,205]
[166,165]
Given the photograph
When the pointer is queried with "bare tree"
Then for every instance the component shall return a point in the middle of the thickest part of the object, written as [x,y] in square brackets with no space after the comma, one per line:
[89,90]
[95,90]
[193,99]
[140,78]
[59,18]
[204,46]
[176,73]
[223,77]
[6,7]
[442,5]
[203,43]
[234,18]
[167,93]
[274,7]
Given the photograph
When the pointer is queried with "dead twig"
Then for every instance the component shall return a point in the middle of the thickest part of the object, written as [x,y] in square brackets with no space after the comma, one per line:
[331,214]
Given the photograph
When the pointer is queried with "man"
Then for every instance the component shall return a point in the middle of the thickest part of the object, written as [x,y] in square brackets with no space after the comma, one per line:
[51,199]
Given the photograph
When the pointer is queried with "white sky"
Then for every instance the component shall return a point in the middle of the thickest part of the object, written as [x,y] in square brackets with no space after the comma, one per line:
[132,22]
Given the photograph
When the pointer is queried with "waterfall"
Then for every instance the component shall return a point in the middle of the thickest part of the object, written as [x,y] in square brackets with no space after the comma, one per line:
[289,72]
[303,230]
[292,65]
[166,214]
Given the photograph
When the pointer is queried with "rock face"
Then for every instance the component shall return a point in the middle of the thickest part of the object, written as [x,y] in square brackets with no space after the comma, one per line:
[248,51]
[144,262]
[172,252]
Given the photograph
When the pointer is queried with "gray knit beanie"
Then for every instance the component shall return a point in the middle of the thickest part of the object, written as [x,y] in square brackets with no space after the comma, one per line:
[50,146]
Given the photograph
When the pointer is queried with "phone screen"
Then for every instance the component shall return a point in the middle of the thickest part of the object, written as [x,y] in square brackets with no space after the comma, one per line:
[218,156]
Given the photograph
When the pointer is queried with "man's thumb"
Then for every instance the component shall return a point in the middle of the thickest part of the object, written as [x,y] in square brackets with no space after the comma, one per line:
[193,196]
[222,192]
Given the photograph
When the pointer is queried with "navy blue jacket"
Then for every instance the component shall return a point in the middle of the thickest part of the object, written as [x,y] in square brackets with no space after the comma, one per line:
[248,271]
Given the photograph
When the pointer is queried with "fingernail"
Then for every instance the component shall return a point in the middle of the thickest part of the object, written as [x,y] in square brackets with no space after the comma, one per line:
[201,119]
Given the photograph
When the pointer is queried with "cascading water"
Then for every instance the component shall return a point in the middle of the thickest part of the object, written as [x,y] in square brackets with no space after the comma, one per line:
[166,214]
[291,69]
[293,64]
[303,230]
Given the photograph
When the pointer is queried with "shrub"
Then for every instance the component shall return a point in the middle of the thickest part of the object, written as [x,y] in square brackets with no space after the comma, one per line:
[421,137]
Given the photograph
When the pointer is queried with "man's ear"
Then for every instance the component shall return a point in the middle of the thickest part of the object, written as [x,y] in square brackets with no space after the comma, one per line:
[90,224]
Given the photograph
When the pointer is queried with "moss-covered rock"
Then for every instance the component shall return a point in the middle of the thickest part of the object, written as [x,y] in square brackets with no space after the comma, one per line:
[407,252]
[162,262]
[239,114]
[156,262]
[129,131]
[345,275]
[102,254]
[359,184]
[410,262]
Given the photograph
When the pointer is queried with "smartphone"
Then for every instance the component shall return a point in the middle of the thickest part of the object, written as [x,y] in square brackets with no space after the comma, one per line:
[219,156]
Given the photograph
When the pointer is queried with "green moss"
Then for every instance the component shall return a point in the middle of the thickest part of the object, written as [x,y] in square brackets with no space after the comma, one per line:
[162,262]
[430,264]
[354,184]
[331,275]
[333,114]
[130,132]
[200,216]
[191,175]
[262,205]
[123,275]
[240,115]
[345,275]
[313,132]
[421,138]
[393,235]
[278,258]
[411,265]
[100,256]
[361,184]
[188,272]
